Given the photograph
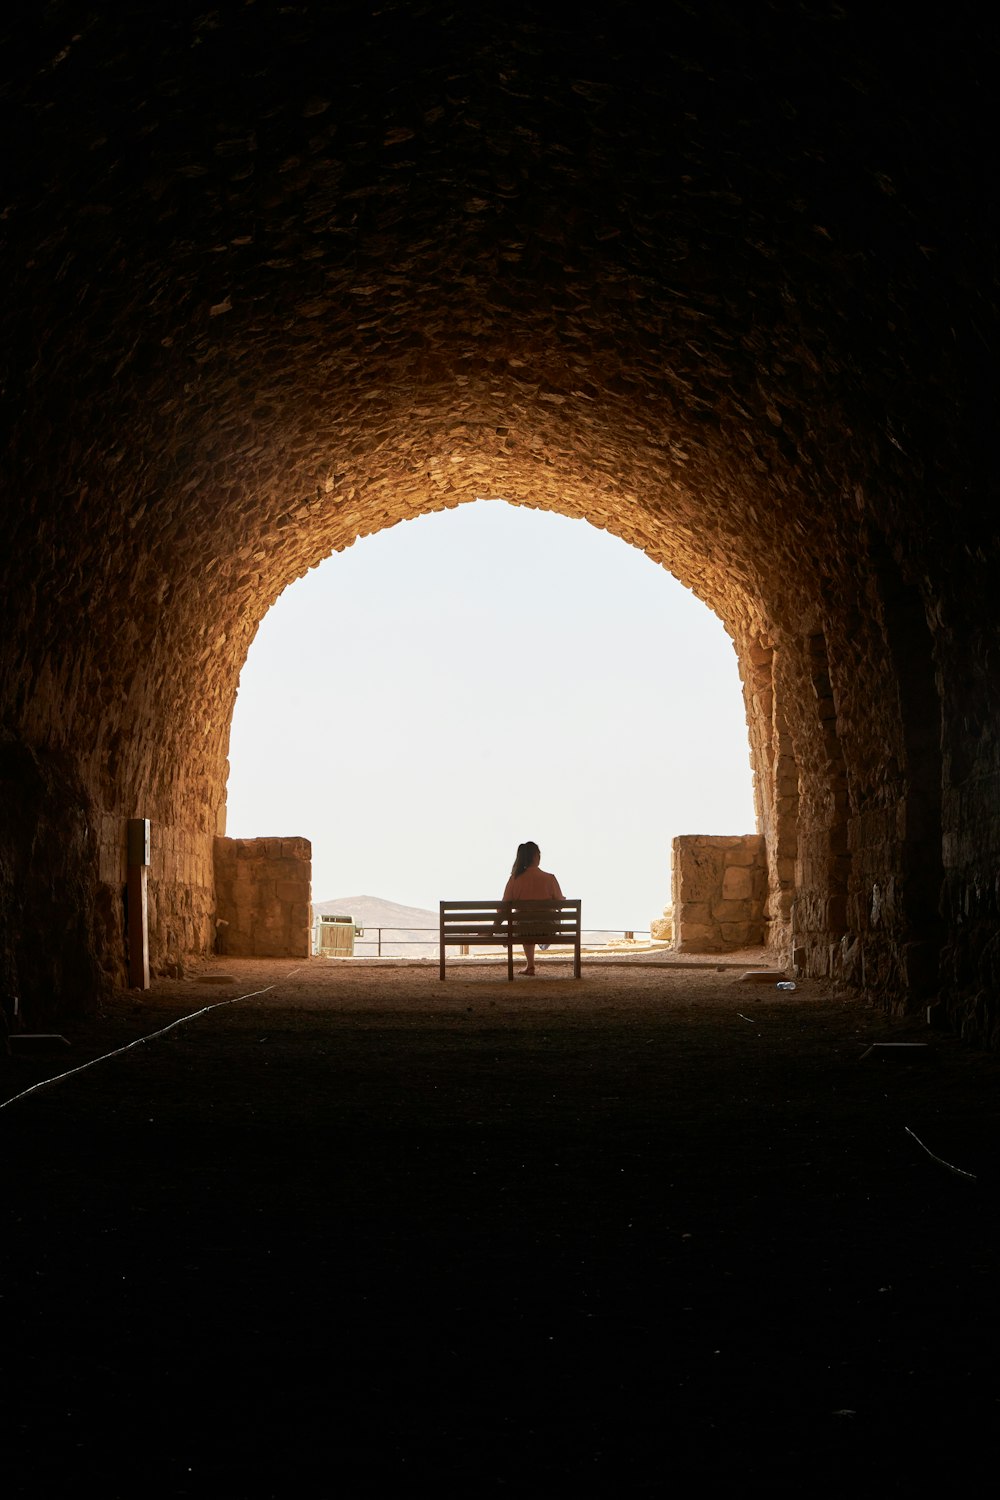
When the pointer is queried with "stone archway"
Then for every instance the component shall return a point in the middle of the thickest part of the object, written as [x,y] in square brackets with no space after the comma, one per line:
[468,635]
[271,287]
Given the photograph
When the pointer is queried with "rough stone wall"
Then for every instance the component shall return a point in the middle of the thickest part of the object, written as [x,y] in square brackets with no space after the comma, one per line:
[720,892]
[776,786]
[264,895]
[50,931]
[181,894]
[719,280]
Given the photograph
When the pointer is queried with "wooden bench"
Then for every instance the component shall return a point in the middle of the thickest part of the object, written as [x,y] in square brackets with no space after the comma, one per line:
[507,923]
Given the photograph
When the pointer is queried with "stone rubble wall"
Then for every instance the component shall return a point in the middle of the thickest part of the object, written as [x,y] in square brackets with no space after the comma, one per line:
[264,895]
[661,929]
[50,926]
[720,892]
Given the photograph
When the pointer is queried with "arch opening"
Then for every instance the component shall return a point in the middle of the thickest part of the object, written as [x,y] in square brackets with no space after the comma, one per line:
[513,665]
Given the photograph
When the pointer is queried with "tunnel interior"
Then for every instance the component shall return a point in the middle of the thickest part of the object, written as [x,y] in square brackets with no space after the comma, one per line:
[719,282]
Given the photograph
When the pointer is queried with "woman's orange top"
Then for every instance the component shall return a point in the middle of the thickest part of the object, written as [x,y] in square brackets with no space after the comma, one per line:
[533,885]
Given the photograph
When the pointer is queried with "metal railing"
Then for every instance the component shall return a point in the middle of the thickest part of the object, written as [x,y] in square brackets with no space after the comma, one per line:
[625,933]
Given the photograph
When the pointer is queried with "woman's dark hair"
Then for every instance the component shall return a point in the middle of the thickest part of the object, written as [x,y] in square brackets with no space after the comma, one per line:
[526,856]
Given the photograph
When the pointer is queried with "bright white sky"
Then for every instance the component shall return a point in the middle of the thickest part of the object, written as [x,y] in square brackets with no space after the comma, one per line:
[394,709]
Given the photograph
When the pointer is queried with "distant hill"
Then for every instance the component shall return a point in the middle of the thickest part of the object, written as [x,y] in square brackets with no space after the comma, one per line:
[405,940]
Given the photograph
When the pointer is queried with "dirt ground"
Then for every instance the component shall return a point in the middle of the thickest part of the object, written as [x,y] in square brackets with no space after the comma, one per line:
[352,1232]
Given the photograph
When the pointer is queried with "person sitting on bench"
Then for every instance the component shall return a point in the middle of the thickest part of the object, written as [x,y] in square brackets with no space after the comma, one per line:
[531,883]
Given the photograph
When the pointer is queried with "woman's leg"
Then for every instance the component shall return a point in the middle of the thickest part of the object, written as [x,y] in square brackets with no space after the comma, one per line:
[529,955]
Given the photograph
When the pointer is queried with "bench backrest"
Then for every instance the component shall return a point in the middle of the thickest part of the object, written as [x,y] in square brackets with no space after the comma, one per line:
[470,923]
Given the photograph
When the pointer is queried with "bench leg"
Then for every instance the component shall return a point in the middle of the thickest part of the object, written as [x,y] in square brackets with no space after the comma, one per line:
[510,963]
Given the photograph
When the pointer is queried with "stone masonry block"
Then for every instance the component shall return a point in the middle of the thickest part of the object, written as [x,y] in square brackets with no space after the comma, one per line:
[731,911]
[737,884]
[701,876]
[289,890]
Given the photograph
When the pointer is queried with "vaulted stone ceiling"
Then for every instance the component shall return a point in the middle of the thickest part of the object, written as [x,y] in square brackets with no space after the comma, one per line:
[717,278]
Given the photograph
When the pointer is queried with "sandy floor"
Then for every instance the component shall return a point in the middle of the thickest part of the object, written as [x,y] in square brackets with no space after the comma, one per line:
[350,1231]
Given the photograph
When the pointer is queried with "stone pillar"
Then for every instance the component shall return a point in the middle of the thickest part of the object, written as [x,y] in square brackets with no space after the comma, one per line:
[264,897]
[720,892]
